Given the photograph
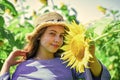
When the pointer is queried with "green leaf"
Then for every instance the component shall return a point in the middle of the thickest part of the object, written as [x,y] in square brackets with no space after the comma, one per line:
[55,7]
[2,32]
[10,6]
[3,55]
[72,17]
[2,9]
[1,21]
[114,11]
[64,7]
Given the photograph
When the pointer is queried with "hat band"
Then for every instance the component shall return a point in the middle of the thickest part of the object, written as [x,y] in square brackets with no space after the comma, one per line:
[53,20]
[58,20]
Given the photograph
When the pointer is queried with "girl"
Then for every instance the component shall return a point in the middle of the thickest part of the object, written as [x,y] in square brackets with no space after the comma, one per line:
[42,55]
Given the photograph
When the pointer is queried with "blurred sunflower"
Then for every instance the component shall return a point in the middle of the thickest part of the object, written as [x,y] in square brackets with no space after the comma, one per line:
[76,47]
[45,2]
[102,9]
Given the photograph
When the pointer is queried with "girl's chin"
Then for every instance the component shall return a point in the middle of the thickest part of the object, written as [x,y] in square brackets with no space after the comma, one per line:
[53,51]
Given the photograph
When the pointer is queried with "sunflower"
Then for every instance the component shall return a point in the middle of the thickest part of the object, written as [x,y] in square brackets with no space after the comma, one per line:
[76,49]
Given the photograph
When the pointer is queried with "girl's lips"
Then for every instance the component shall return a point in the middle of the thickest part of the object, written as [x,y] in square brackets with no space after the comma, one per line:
[55,45]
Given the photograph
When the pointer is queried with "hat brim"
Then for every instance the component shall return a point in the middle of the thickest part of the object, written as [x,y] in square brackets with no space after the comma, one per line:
[43,25]
[47,24]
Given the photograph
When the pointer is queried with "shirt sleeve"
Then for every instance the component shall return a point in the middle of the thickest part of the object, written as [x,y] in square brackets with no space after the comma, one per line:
[5,76]
[105,75]
[87,75]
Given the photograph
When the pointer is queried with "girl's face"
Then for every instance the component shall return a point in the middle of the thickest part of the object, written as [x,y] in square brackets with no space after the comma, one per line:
[52,39]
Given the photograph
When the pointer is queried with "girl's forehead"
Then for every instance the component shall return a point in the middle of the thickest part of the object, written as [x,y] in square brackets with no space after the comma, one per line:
[57,28]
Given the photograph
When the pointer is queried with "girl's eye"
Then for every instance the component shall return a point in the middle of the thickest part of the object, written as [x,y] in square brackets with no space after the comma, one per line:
[52,34]
[61,36]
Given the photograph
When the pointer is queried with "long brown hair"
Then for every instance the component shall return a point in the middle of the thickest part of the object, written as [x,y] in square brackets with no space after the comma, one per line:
[33,43]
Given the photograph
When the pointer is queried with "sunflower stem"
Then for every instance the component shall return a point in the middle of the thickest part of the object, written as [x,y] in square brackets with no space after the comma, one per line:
[106,34]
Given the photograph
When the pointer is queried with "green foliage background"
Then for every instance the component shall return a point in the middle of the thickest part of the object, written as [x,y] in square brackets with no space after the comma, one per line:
[12,33]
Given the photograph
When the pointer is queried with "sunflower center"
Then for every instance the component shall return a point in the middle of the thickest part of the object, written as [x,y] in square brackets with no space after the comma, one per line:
[78,46]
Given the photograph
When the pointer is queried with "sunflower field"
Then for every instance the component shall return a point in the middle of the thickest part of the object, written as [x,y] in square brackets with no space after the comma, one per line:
[16,21]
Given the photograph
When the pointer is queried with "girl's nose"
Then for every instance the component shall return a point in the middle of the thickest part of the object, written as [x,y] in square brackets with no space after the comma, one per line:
[57,39]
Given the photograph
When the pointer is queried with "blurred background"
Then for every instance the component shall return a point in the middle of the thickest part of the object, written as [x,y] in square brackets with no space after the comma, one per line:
[100,17]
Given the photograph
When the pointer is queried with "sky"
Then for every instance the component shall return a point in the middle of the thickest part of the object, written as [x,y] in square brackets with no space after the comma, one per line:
[86,9]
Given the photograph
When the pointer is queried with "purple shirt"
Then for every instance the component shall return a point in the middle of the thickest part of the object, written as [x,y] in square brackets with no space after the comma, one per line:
[53,69]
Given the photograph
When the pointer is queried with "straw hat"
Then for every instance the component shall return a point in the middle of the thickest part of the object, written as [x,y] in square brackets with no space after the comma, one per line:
[46,20]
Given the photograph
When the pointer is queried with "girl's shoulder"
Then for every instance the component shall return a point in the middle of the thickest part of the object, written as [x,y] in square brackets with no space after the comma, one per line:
[36,62]
[25,63]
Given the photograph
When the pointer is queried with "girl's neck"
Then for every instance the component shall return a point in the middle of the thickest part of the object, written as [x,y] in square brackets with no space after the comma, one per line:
[44,55]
